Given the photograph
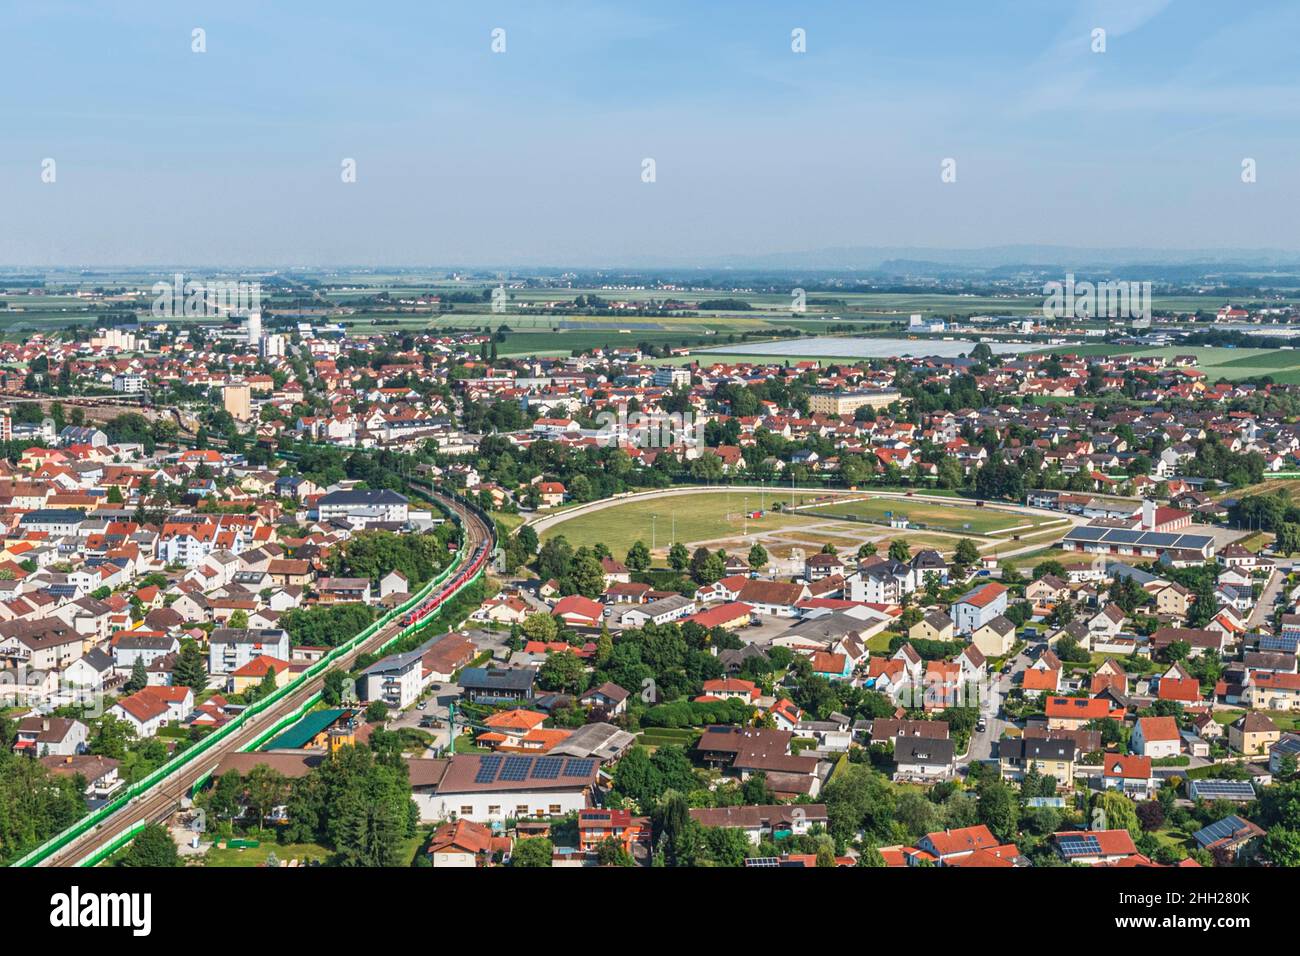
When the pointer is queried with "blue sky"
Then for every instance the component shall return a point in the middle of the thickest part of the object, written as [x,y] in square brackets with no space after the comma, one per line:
[466,157]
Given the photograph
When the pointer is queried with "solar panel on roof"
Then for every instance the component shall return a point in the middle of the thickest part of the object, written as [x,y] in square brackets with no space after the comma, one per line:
[547,768]
[1278,642]
[763,861]
[1224,789]
[1219,830]
[516,768]
[578,768]
[1122,536]
[487,769]
[1083,845]
[1086,534]
[1160,539]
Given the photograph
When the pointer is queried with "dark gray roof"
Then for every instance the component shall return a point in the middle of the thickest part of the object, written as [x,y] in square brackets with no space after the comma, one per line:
[246,635]
[923,750]
[380,496]
[53,516]
[394,662]
[497,678]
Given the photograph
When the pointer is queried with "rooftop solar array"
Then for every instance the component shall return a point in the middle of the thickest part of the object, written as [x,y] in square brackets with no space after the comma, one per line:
[1287,644]
[763,861]
[518,768]
[1145,539]
[1223,789]
[1220,830]
[548,768]
[1290,744]
[1083,845]
[487,769]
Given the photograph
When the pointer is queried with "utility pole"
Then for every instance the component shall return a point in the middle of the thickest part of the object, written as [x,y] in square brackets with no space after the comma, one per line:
[652,531]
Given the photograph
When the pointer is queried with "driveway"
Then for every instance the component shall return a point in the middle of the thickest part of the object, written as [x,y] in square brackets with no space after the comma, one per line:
[981,744]
[1267,599]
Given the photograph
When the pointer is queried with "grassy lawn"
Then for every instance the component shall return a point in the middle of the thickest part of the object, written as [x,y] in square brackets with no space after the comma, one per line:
[302,852]
[256,856]
[1025,562]
[957,518]
[697,517]
[879,643]
[507,520]
[653,737]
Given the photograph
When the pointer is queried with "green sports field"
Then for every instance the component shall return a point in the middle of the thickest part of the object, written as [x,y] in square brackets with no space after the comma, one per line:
[696,517]
[956,518]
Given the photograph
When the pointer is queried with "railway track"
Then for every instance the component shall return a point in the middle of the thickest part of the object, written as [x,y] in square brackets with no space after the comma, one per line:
[161,800]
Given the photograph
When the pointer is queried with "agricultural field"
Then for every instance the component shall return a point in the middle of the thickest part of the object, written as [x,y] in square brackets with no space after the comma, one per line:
[1233,364]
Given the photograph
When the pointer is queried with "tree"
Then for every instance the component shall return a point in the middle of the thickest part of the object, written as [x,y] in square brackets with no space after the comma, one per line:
[1151,815]
[562,672]
[611,852]
[191,668]
[638,556]
[871,856]
[359,803]
[998,808]
[706,566]
[585,577]
[223,800]
[376,712]
[540,627]
[678,557]
[238,619]
[1281,847]
[266,789]
[152,847]
[332,687]
[900,551]
[859,798]
[1114,811]
[604,647]
[527,539]
[966,553]
[636,777]
[532,852]
[139,678]
[758,557]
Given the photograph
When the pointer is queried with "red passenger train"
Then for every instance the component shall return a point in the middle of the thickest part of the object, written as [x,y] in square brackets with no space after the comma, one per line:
[434,601]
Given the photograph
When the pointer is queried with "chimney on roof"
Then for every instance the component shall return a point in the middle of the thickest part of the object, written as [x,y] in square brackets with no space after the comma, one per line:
[1148,515]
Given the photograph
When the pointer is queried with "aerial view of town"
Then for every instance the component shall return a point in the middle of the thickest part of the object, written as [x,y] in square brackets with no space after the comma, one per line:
[388,496]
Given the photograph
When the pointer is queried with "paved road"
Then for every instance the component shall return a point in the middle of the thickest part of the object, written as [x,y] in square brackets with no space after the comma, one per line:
[1264,606]
[161,800]
[981,745]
